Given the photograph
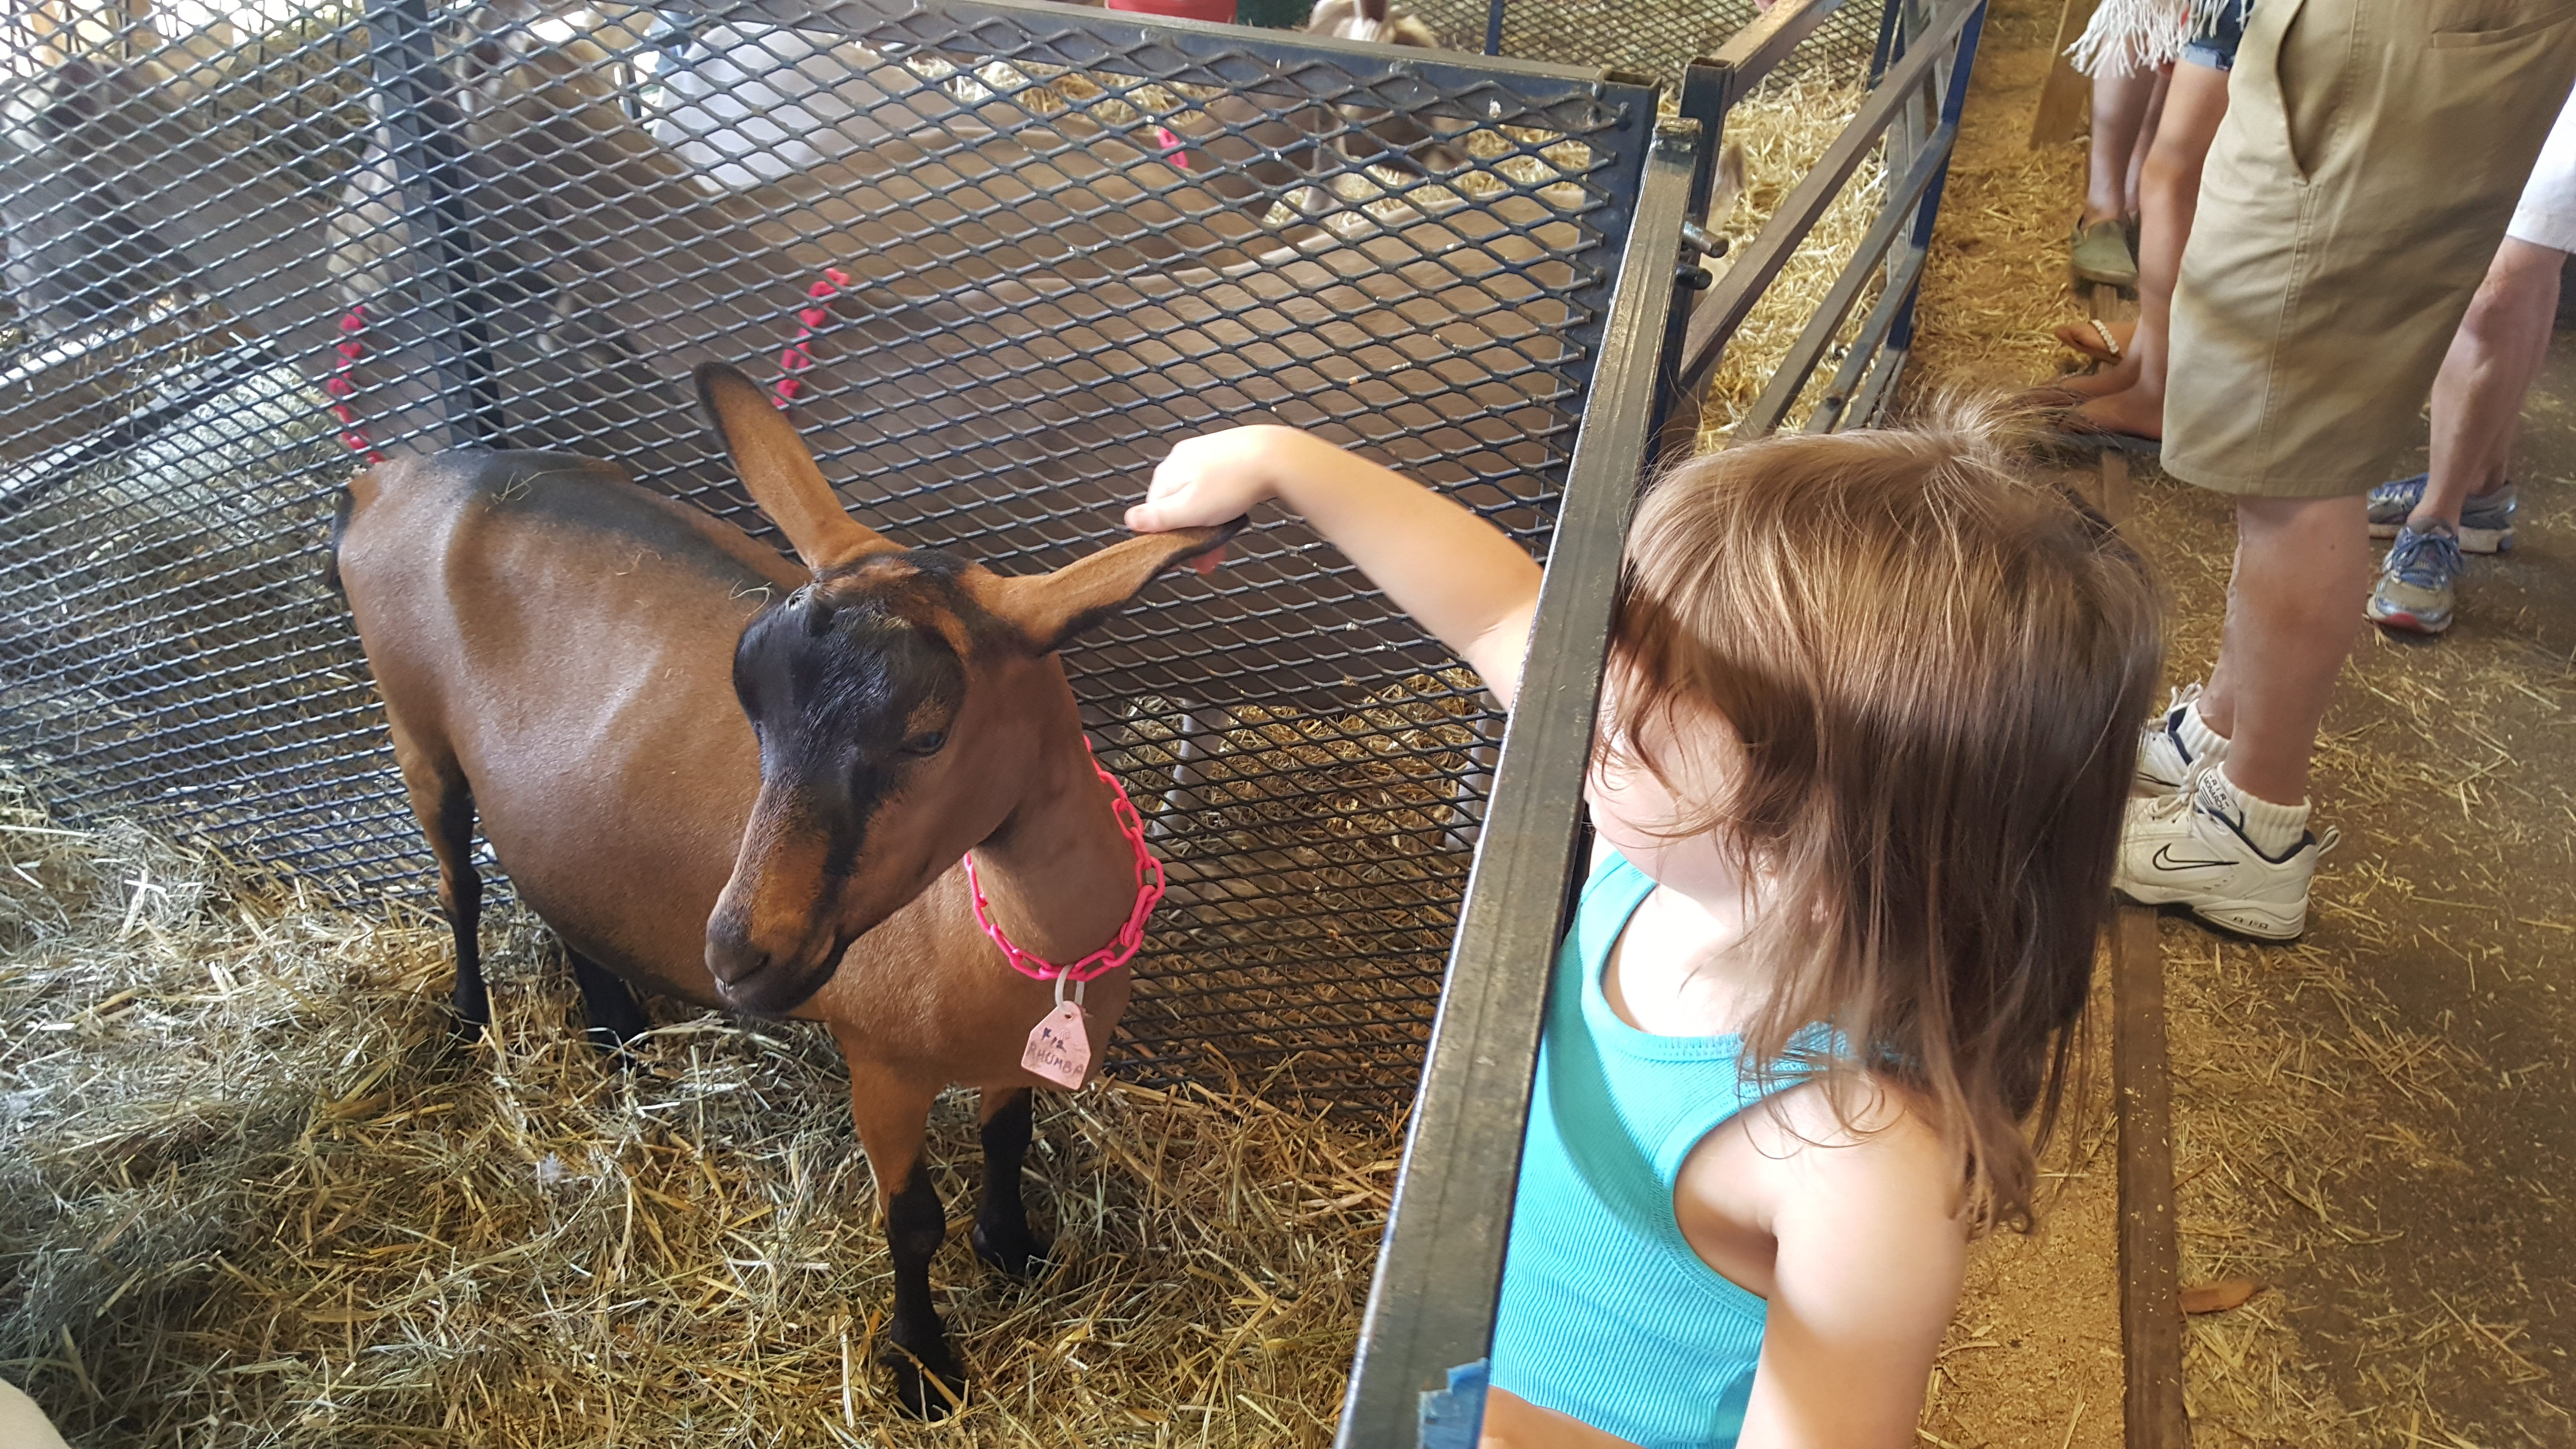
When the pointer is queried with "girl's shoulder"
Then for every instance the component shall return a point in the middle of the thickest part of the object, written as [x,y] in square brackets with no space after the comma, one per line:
[1846,1213]
[1830,1143]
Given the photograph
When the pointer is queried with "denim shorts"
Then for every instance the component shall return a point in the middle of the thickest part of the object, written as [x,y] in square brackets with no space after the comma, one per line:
[2213,44]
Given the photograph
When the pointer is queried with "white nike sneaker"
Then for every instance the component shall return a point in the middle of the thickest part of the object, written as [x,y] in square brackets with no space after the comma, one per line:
[2164,762]
[2188,849]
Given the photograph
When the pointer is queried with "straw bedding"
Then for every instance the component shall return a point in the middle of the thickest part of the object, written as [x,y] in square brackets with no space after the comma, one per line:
[2339,1147]
[1316,868]
[251,1192]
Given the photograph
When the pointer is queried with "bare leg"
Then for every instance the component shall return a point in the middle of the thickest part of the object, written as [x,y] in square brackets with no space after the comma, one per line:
[2131,191]
[891,1115]
[2120,105]
[2477,399]
[2131,394]
[2303,568]
[1002,1234]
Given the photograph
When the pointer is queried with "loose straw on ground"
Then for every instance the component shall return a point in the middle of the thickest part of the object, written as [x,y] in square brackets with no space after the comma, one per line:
[251,1192]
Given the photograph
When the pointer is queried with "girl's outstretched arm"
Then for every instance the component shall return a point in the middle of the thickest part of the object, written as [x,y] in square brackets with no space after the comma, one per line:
[1467,584]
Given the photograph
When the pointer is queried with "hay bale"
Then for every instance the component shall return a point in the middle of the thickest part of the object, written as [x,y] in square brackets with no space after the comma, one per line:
[250,1191]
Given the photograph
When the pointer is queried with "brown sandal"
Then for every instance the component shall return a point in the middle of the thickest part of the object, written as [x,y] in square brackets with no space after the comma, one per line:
[2093,338]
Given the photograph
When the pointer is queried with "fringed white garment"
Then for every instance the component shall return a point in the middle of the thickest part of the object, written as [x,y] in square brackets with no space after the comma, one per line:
[2126,37]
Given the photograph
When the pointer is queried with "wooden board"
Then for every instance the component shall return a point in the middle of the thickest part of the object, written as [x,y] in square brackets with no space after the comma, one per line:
[2115,499]
[2064,100]
[2150,1256]
[2150,1304]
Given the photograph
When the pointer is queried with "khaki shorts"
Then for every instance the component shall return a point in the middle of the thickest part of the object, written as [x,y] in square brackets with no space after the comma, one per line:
[2371,156]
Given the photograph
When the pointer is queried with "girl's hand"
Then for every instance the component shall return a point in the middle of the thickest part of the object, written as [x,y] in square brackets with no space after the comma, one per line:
[1461,578]
[1219,476]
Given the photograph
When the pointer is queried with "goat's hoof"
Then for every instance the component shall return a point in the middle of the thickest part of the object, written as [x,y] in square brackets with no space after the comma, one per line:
[920,1379]
[1018,1253]
[465,1031]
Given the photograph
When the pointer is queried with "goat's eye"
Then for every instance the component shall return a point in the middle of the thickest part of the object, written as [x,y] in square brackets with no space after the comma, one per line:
[926,744]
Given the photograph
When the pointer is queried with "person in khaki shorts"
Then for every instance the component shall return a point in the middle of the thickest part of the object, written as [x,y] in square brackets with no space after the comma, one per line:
[2372,153]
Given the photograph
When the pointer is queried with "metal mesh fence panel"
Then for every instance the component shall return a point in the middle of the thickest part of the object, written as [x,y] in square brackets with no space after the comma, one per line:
[993,258]
[1652,37]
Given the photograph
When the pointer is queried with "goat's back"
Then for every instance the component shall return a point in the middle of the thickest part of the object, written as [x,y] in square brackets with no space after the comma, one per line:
[563,641]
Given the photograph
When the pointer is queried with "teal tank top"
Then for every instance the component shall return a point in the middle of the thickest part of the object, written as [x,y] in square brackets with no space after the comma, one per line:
[1606,1313]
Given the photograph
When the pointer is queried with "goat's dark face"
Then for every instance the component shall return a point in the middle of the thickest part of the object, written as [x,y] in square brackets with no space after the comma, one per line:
[904,701]
[896,721]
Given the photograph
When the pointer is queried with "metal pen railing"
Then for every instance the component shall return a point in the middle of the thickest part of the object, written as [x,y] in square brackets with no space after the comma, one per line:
[1651,37]
[1914,112]
[1187,217]
[1418,1376]
[1431,1304]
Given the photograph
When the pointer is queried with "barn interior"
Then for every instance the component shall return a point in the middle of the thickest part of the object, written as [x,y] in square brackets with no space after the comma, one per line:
[254,1191]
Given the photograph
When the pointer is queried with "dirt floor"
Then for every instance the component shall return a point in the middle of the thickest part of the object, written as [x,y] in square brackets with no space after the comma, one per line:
[2377,1123]
[2033,1357]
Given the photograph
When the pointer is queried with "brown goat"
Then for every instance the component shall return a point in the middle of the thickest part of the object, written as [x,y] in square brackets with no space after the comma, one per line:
[725,778]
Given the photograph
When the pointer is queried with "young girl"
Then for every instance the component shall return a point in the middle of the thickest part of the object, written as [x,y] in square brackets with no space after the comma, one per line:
[1859,772]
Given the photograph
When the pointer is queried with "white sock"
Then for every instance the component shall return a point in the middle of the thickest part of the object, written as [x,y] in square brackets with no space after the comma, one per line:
[2199,741]
[2273,828]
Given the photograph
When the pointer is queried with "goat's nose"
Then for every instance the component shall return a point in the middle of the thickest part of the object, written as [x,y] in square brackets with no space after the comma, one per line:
[731,953]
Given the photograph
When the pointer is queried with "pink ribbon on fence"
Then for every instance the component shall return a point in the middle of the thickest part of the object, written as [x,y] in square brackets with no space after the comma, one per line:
[809,320]
[342,384]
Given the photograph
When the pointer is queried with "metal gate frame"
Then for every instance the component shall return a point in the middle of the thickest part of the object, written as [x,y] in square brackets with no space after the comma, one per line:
[1418,1377]
[1657,37]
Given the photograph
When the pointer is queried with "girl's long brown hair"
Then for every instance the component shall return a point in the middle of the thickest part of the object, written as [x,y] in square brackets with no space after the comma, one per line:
[1937,664]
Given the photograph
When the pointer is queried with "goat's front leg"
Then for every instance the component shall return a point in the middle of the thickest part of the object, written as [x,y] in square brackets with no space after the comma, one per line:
[892,1114]
[1002,1234]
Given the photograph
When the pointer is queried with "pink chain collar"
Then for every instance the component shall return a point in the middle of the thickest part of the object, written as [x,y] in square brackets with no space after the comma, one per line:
[1131,936]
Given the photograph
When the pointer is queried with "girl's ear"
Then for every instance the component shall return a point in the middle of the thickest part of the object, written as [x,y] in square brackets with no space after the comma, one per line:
[1049,609]
[779,470]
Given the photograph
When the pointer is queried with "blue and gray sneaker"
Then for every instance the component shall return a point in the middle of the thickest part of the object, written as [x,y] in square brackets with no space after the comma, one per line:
[2486,519]
[2417,583]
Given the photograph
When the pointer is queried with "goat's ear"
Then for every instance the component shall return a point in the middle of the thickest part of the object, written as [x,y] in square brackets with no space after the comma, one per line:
[1049,609]
[779,470]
